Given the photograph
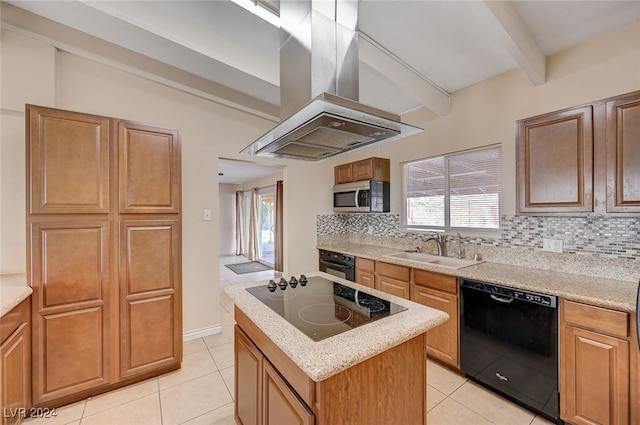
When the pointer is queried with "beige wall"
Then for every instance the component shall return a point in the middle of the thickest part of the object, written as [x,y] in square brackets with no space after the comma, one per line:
[482,114]
[227,217]
[485,113]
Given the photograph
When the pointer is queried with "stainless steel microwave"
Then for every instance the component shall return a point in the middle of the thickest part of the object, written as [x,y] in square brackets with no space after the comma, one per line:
[362,196]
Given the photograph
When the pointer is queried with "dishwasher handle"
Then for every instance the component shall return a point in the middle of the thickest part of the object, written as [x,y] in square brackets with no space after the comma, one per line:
[501,299]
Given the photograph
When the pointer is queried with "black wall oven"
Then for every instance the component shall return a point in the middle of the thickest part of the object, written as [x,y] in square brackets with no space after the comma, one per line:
[509,343]
[338,264]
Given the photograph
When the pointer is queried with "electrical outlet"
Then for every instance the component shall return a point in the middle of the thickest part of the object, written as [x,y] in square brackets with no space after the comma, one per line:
[552,245]
[370,230]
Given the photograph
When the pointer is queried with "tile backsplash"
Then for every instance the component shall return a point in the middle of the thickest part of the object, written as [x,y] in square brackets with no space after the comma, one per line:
[602,246]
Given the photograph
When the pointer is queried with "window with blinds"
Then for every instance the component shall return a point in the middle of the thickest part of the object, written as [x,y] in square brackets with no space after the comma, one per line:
[454,192]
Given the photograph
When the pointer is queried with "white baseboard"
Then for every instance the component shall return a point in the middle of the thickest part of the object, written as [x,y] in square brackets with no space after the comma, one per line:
[202,332]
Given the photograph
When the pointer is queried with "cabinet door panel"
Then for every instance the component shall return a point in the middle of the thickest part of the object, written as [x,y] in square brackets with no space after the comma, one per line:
[343,173]
[555,162]
[281,406]
[595,378]
[15,374]
[442,341]
[248,380]
[149,169]
[73,354]
[70,262]
[68,162]
[150,316]
[71,307]
[623,154]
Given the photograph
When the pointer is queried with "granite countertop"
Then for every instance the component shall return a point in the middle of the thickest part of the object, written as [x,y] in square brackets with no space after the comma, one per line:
[617,294]
[13,290]
[322,359]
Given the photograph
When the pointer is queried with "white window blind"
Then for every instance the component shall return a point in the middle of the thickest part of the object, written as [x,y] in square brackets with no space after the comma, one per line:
[457,191]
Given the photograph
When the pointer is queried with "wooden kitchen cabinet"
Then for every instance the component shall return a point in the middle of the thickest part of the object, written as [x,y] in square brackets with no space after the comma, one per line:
[15,363]
[581,160]
[262,396]
[104,252]
[623,154]
[365,169]
[343,173]
[149,168]
[365,272]
[555,162]
[440,292]
[393,279]
[68,175]
[594,365]
[149,295]
[269,382]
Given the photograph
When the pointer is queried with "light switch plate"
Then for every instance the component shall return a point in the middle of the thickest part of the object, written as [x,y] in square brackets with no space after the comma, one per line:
[207,215]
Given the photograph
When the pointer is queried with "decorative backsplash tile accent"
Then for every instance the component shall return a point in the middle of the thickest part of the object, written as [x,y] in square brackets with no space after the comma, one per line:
[598,245]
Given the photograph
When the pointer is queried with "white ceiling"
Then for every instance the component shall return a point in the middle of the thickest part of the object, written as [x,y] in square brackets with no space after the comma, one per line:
[412,53]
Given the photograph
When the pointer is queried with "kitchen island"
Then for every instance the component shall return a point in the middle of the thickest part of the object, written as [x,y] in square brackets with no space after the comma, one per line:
[372,374]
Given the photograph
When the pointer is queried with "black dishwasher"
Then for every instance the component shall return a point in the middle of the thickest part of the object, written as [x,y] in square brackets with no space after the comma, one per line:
[509,343]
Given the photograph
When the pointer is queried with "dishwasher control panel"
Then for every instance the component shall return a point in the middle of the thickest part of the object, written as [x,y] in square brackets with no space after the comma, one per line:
[509,294]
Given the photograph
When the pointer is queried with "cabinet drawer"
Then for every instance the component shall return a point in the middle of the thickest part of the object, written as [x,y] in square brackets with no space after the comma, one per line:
[11,321]
[437,281]
[393,270]
[611,322]
[395,287]
[365,264]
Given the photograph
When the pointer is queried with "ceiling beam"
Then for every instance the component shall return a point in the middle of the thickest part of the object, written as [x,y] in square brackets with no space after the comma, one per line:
[388,65]
[518,41]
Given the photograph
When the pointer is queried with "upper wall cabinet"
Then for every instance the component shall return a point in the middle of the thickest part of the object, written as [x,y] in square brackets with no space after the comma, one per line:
[623,154]
[366,169]
[581,160]
[68,162]
[555,162]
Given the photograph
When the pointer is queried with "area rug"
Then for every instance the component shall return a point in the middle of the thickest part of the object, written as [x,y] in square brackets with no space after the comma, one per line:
[250,267]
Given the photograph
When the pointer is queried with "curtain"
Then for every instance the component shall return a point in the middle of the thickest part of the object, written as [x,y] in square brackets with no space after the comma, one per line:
[254,228]
[278,256]
[240,248]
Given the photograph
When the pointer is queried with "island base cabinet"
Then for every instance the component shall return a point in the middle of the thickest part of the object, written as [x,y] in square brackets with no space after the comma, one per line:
[248,380]
[389,388]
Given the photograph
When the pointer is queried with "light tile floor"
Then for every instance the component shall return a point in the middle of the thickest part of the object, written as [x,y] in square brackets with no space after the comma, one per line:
[201,392]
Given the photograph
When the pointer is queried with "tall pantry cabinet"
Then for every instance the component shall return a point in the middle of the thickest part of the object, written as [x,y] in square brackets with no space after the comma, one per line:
[104,252]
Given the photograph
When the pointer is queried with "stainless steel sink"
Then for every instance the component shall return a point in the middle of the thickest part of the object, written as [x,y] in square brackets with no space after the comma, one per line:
[436,260]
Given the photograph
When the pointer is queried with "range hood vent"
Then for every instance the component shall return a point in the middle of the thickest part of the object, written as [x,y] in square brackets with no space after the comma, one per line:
[319,89]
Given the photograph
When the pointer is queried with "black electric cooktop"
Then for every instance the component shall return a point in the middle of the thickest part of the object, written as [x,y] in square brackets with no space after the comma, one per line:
[321,308]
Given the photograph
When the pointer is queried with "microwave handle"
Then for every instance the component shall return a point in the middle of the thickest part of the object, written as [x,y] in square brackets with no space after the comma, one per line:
[357,197]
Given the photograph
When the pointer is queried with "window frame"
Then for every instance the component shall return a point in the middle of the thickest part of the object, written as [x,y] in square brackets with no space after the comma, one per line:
[447,228]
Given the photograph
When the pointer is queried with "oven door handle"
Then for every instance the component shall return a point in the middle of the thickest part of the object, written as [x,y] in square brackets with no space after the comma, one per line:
[501,300]
[331,263]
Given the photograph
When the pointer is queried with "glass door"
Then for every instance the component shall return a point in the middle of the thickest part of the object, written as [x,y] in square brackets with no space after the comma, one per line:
[266,211]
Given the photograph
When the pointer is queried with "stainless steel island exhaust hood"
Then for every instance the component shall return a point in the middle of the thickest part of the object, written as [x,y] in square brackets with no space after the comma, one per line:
[319,89]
